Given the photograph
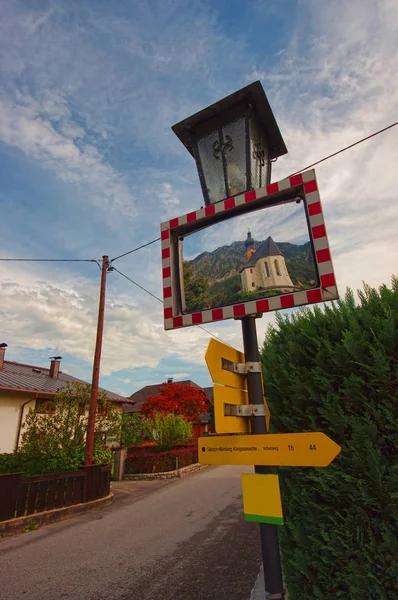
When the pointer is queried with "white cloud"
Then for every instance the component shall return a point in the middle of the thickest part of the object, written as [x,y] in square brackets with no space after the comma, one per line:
[46,132]
[38,315]
[336,92]
[71,104]
[169,200]
[176,376]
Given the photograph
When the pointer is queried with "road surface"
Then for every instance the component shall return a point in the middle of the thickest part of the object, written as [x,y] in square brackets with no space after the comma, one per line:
[165,540]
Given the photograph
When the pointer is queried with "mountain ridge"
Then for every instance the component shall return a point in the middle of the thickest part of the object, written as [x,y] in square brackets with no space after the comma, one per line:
[226,261]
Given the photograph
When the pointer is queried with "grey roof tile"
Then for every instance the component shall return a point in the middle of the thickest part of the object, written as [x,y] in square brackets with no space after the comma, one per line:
[17,376]
[267,248]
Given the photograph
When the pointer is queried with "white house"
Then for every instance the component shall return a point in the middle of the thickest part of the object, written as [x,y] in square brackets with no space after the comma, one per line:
[265,268]
[23,387]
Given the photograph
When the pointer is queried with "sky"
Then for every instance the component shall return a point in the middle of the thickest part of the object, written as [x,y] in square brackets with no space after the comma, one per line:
[89,165]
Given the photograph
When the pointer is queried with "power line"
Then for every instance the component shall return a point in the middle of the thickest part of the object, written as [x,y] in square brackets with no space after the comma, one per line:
[160,300]
[49,260]
[135,249]
[137,284]
[368,137]
[296,172]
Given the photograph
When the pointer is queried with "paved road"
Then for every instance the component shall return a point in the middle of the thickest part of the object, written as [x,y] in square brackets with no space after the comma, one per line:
[166,540]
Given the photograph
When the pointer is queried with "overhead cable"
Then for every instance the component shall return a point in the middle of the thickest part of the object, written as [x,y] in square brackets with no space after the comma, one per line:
[160,300]
[368,137]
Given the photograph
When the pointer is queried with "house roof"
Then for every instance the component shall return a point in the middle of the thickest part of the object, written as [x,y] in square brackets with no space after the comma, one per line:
[267,248]
[144,393]
[29,378]
[209,392]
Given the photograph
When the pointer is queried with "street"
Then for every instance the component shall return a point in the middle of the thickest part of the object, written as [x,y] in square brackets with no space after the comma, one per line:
[183,538]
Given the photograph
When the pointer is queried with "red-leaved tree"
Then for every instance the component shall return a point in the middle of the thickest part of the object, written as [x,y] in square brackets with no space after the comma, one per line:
[180,399]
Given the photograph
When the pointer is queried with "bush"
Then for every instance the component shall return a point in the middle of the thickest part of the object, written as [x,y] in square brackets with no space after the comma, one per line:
[336,371]
[161,462]
[55,442]
[134,429]
[11,463]
[169,429]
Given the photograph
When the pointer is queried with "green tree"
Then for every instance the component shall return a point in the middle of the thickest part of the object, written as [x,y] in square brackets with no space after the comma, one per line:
[169,429]
[55,442]
[196,289]
[335,370]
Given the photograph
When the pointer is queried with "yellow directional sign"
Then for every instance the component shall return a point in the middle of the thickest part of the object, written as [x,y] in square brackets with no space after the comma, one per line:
[280,450]
[226,399]
[218,356]
[262,498]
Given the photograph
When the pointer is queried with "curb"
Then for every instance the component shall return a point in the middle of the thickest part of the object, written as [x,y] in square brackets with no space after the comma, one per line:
[165,475]
[19,525]
[258,591]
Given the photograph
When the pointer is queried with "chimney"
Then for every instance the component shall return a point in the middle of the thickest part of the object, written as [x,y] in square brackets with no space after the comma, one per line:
[170,380]
[54,366]
[3,347]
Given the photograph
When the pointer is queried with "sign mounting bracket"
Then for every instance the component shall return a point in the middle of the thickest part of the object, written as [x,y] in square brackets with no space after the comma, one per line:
[244,410]
[240,368]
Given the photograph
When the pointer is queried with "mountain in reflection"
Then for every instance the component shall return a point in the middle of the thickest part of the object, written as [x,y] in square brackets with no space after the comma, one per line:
[227,261]
[231,273]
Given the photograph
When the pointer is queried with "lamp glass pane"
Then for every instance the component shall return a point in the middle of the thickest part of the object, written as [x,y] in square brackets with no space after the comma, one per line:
[234,137]
[212,166]
[258,155]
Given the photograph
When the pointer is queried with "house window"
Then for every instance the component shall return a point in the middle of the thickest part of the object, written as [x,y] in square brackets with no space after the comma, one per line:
[266,267]
[278,272]
[45,407]
[251,270]
[253,284]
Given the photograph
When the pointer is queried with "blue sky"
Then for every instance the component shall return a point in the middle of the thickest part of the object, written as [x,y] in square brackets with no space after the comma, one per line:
[89,164]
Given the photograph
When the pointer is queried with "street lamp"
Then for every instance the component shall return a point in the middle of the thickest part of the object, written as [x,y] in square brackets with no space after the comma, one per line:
[233,143]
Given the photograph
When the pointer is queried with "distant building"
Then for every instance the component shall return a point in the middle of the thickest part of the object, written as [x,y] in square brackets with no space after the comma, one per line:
[28,387]
[265,268]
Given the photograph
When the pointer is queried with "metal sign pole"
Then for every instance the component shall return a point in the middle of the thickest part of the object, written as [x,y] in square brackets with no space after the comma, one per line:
[269,533]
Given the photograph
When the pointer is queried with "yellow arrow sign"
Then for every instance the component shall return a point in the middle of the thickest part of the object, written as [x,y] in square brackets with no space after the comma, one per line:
[218,357]
[226,398]
[229,423]
[313,449]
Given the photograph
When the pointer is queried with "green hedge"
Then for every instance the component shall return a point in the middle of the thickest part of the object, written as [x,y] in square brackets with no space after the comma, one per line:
[335,370]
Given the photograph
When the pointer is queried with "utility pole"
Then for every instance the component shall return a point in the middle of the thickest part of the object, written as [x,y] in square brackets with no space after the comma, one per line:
[268,533]
[88,459]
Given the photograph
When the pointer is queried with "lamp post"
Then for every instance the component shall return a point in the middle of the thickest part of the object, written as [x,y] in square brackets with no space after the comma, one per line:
[234,142]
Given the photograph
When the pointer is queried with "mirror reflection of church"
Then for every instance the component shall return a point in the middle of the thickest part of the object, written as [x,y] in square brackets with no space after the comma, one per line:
[264,268]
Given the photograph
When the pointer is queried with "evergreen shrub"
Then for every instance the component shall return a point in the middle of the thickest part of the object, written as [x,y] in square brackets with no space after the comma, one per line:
[335,369]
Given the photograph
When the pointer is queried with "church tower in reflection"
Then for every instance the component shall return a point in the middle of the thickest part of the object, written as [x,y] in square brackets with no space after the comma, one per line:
[264,268]
[249,245]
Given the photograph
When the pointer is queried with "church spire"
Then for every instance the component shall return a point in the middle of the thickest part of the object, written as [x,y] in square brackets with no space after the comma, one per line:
[249,242]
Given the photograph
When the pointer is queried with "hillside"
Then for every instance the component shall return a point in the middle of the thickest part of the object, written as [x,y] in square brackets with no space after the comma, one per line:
[226,261]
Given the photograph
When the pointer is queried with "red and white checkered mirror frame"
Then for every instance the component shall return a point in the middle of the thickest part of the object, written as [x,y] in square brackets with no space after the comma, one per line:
[306,186]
